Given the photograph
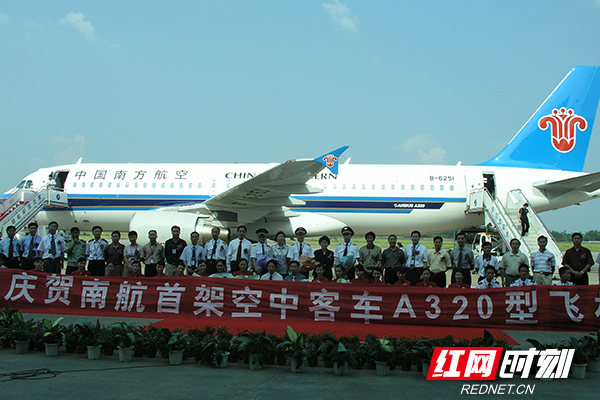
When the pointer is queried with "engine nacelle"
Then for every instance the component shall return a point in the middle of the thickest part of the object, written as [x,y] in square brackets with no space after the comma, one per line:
[162,221]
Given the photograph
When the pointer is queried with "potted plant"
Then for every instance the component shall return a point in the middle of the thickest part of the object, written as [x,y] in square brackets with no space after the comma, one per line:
[6,324]
[125,335]
[108,339]
[90,336]
[176,345]
[36,341]
[403,353]
[383,355]
[583,348]
[593,364]
[71,338]
[313,342]
[53,335]
[214,351]
[21,332]
[294,348]
[337,353]
[421,355]
[256,345]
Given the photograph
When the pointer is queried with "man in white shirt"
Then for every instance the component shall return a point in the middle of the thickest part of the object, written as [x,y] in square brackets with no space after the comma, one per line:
[543,263]
[30,244]
[260,249]
[489,282]
[509,265]
[214,250]
[238,248]
[192,254]
[94,252]
[51,250]
[485,260]
[347,253]
[416,258]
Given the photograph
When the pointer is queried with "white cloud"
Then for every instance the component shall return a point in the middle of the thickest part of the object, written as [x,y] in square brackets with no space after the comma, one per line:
[425,149]
[341,16]
[78,21]
[71,149]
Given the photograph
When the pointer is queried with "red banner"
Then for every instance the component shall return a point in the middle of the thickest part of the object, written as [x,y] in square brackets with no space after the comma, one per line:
[218,300]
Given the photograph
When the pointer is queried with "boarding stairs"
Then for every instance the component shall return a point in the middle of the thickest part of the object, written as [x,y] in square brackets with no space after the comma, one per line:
[23,205]
[506,220]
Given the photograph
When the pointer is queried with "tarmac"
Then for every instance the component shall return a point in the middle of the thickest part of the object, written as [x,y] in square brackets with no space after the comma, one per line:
[73,376]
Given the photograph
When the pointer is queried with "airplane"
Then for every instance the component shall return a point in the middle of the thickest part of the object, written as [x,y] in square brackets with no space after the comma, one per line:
[544,160]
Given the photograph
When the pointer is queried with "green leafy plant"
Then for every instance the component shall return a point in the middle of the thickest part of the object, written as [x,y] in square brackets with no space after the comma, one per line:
[383,351]
[336,351]
[125,333]
[90,333]
[177,341]
[21,329]
[53,331]
[584,349]
[294,345]
[256,345]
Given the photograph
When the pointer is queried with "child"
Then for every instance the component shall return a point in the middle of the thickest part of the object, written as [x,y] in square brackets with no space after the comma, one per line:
[488,282]
[243,265]
[360,275]
[272,274]
[136,270]
[320,278]
[81,271]
[523,277]
[339,275]
[565,277]
[401,274]
[377,276]
[459,284]
[295,274]
[425,282]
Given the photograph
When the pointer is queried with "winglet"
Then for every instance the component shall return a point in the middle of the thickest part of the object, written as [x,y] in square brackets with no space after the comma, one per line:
[330,160]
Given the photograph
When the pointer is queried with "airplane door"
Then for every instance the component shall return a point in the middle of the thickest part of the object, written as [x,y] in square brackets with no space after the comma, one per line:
[474,181]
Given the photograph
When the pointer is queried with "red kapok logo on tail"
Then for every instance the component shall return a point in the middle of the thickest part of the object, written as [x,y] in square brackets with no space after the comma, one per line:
[330,160]
[563,125]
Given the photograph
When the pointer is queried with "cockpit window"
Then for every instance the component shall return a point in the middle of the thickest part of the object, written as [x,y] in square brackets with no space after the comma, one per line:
[29,185]
[21,185]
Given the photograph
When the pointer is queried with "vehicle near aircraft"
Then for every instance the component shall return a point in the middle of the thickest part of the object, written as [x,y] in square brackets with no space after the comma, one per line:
[542,165]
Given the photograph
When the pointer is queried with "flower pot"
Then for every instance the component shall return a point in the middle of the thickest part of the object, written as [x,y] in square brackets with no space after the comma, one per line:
[175,357]
[340,369]
[425,369]
[593,366]
[578,371]
[382,368]
[224,361]
[21,346]
[94,352]
[295,367]
[51,349]
[125,354]
[313,362]
[253,362]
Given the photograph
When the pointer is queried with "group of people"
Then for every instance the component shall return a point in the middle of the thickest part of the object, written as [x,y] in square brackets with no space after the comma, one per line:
[413,265]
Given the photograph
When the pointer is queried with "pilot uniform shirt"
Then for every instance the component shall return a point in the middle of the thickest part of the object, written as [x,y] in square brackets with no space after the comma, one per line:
[420,258]
[219,254]
[261,249]
[29,251]
[45,246]
[192,259]
[340,249]
[484,284]
[294,251]
[438,261]
[268,277]
[543,263]
[16,247]
[481,264]
[232,251]
[510,263]
[521,282]
[567,283]
[94,249]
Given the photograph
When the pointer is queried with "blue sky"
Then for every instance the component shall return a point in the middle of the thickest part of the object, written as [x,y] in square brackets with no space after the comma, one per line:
[266,81]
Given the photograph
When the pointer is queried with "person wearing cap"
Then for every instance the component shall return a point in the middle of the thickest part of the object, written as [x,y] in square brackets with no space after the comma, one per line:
[238,248]
[347,249]
[300,248]
[416,258]
[370,255]
[325,257]
[260,249]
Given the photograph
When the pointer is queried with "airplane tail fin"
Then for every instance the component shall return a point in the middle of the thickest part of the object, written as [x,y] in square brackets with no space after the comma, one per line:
[330,160]
[558,134]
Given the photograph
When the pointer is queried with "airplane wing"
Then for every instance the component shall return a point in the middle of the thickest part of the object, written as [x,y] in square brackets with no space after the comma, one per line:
[267,192]
[586,183]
